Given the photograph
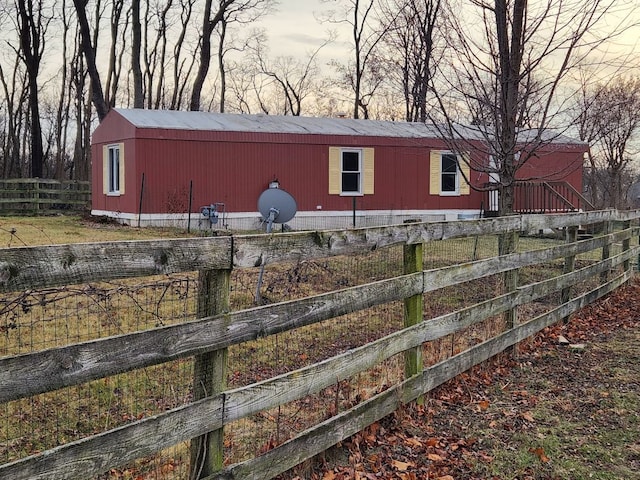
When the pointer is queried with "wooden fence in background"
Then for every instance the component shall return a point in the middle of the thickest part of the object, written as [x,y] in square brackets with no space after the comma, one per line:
[40,196]
[208,338]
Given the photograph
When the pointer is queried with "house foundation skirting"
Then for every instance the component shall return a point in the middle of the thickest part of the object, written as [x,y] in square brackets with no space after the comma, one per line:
[304,220]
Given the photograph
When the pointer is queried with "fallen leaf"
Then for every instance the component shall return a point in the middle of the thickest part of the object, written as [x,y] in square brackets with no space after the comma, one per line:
[434,457]
[485,458]
[406,476]
[402,466]
[445,477]
[329,476]
[528,417]
[431,442]
[539,452]
[484,404]
[413,442]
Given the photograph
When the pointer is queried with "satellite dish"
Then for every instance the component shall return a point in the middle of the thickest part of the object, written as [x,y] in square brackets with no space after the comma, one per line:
[276,206]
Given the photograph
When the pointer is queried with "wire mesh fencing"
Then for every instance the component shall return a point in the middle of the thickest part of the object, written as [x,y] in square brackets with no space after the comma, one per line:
[45,319]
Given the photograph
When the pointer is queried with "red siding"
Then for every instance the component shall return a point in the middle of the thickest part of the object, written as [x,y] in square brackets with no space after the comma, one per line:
[234,167]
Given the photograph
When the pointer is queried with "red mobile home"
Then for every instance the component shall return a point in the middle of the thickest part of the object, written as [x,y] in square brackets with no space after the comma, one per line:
[150,166]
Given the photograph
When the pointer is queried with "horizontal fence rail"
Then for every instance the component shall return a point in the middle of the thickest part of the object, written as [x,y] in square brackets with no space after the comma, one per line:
[606,257]
[39,196]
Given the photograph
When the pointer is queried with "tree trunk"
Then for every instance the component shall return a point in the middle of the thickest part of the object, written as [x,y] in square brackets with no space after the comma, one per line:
[138,94]
[31,35]
[97,96]
[205,57]
[221,67]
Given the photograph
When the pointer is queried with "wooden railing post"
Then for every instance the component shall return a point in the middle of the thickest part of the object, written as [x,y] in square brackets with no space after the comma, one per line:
[412,260]
[571,236]
[210,373]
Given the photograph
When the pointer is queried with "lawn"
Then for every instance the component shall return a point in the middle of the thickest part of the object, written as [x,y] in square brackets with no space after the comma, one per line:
[60,229]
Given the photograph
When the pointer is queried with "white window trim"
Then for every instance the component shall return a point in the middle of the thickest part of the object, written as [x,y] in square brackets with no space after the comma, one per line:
[360,153]
[111,170]
[456,192]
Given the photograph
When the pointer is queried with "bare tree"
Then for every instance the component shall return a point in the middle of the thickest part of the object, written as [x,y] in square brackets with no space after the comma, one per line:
[32,28]
[609,120]
[294,79]
[155,57]
[97,93]
[240,11]
[363,73]
[14,86]
[516,65]
[136,49]
[243,79]
[410,47]
[81,164]
[62,117]
[118,32]
[182,67]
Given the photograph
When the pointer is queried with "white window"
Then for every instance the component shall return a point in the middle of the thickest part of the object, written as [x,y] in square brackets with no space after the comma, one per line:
[448,174]
[351,171]
[114,168]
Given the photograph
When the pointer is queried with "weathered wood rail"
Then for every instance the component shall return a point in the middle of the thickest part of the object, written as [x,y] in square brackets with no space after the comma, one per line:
[208,338]
[40,196]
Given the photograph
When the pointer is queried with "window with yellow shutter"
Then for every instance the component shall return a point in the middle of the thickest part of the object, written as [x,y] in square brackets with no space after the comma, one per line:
[351,171]
[447,174]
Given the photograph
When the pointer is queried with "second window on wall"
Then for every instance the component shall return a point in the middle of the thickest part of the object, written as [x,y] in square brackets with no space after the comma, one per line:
[449,174]
[351,171]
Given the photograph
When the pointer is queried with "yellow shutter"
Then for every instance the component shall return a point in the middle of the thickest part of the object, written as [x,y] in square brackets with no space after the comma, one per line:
[434,172]
[368,157]
[334,171]
[105,169]
[464,168]
[121,173]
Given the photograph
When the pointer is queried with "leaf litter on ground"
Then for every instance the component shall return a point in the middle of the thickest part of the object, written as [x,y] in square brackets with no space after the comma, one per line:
[547,414]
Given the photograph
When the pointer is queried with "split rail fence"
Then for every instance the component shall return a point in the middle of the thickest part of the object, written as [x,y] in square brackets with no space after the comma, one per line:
[40,196]
[600,262]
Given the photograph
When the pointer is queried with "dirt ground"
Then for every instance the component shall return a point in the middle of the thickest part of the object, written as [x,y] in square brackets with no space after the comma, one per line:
[557,411]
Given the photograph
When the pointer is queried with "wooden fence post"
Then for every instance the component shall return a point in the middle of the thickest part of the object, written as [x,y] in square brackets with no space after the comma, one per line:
[412,260]
[210,373]
[36,195]
[508,243]
[607,228]
[571,236]
[626,244]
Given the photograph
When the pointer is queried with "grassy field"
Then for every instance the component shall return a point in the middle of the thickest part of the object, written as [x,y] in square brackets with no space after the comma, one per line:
[31,231]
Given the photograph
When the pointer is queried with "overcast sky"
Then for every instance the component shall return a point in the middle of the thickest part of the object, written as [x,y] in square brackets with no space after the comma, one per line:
[293,30]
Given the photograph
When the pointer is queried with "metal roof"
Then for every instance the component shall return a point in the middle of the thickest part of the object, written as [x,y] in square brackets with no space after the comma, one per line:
[233,122]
